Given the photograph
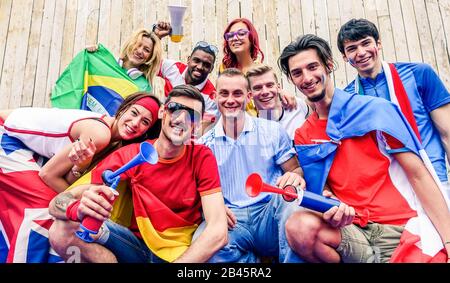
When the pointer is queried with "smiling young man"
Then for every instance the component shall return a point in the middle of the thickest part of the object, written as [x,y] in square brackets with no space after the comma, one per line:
[265,91]
[195,72]
[168,197]
[243,145]
[415,87]
[366,153]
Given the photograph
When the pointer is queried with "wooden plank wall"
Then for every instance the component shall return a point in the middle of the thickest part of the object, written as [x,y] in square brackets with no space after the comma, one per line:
[39,38]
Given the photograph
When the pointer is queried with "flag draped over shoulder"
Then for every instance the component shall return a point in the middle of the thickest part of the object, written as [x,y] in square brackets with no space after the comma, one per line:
[95,81]
[24,199]
[353,115]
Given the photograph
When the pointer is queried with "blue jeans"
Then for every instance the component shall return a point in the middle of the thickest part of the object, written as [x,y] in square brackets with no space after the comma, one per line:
[260,231]
[125,245]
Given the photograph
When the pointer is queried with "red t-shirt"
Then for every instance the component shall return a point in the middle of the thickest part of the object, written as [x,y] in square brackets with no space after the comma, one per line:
[168,193]
[359,175]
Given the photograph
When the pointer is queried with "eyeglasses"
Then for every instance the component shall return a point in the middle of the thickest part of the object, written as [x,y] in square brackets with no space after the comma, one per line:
[205,44]
[240,33]
[175,109]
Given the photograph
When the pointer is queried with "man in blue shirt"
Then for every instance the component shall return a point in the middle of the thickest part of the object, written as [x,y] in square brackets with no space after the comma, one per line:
[426,96]
[244,145]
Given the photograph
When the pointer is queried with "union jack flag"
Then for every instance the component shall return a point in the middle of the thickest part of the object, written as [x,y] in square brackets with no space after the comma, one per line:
[24,199]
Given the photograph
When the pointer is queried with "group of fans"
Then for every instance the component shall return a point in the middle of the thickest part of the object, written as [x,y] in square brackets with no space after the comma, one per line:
[379,146]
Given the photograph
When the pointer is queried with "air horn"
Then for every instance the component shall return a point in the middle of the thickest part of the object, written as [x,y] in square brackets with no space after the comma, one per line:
[255,185]
[90,225]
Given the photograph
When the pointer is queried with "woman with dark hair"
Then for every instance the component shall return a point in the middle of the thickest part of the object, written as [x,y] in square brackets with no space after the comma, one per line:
[241,50]
[74,140]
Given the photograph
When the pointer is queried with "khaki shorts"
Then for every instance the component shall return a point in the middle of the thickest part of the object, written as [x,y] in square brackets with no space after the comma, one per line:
[372,243]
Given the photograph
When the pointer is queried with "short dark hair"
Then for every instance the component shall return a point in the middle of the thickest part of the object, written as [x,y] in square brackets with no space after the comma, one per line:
[302,43]
[233,72]
[354,30]
[187,91]
[206,50]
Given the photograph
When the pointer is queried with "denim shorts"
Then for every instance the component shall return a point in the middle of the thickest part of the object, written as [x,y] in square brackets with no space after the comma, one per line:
[126,246]
[373,243]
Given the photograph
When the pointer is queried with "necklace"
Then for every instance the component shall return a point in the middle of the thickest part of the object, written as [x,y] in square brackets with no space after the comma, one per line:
[282,114]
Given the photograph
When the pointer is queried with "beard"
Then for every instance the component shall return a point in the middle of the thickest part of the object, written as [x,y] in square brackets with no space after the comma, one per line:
[318,97]
[322,94]
[195,80]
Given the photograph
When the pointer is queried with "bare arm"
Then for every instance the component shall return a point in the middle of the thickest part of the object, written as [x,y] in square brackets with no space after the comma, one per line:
[293,174]
[95,201]
[215,234]
[57,169]
[428,193]
[58,205]
[441,119]
[162,29]
[57,172]
[288,100]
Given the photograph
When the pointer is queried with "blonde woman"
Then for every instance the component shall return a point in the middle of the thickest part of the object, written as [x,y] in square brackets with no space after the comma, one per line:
[140,57]
[98,81]
[143,52]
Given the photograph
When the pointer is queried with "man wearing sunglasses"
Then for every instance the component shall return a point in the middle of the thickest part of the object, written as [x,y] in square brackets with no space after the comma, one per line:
[169,198]
[243,145]
[195,72]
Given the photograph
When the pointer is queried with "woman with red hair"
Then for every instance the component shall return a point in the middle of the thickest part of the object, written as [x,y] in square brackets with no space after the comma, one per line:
[241,50]
[241,46]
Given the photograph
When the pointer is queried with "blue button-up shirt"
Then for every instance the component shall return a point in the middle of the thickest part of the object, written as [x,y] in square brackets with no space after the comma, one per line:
[261,148]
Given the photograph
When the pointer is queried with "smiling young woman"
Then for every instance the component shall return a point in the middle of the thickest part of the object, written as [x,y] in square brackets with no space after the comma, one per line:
[74,140]
[241,51]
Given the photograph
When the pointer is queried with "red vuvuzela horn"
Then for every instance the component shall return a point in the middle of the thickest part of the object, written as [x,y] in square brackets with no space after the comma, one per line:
[255,185]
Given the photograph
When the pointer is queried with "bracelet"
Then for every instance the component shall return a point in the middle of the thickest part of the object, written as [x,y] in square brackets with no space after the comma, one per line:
[446,243]
[71,211]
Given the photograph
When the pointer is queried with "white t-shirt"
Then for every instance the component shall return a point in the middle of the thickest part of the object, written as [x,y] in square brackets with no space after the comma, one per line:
[294,119]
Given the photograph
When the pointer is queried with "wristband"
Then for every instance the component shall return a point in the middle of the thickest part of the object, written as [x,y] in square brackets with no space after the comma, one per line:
[71,212]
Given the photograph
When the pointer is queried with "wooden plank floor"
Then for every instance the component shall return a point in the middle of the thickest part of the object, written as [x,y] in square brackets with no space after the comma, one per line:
[39,38]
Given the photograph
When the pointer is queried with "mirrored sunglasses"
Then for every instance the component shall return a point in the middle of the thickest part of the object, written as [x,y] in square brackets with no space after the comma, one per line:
[175,109]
